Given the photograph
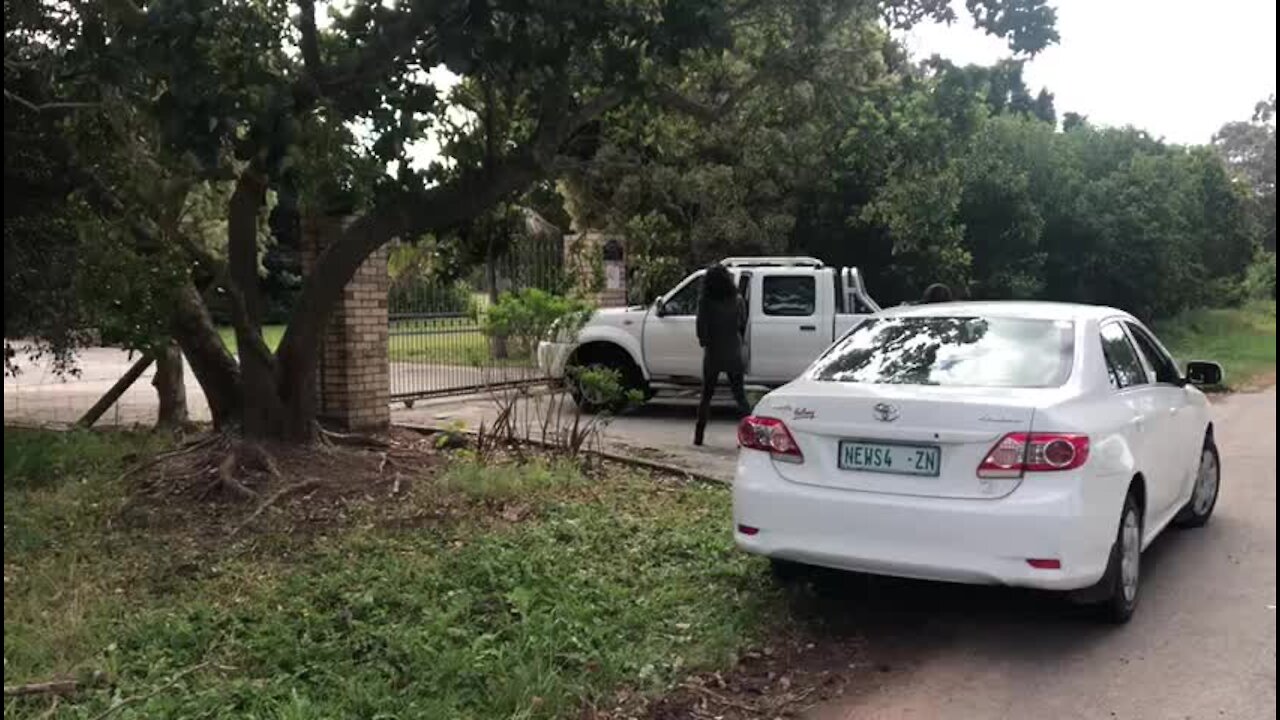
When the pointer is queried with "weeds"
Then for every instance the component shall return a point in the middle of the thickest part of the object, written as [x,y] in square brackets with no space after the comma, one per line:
[611,582]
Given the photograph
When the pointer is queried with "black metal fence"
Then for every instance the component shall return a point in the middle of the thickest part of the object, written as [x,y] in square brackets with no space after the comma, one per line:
[438,339]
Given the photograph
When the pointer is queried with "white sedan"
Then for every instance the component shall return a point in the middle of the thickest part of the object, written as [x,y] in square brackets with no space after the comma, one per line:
[1040,445]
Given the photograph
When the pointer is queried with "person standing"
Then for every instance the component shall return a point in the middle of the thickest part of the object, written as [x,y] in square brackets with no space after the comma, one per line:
[722,322]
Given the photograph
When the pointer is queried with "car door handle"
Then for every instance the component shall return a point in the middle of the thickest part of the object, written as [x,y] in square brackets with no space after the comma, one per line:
[808,328]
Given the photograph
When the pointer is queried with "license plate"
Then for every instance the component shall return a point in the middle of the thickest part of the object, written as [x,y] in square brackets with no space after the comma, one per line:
[890,458]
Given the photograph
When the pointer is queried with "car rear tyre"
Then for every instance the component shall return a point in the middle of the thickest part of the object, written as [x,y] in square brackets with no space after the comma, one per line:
[786,572]
[1121,584]
[1204,497]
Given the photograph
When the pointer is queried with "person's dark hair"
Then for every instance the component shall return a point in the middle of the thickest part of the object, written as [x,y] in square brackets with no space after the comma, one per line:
[937,293]
[717,284]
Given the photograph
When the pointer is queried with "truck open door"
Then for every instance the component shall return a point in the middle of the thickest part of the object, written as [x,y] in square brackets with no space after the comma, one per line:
[744,289]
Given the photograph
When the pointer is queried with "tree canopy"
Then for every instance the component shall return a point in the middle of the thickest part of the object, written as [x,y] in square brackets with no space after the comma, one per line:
[177,144]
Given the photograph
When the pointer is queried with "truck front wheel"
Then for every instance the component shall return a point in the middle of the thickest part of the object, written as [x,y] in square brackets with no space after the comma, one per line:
[591,396]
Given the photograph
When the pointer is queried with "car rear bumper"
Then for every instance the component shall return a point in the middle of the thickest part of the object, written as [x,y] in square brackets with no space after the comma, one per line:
[552,357]
[978,541]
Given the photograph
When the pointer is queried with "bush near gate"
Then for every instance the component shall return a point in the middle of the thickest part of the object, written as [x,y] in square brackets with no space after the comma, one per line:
[525,317]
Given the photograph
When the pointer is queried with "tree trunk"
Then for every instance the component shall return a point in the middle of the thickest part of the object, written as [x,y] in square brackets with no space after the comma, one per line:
[214,368]
[263,413]
[171,389]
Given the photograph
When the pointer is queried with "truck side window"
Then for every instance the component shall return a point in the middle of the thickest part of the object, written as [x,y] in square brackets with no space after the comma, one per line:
[684,302]
[789,295]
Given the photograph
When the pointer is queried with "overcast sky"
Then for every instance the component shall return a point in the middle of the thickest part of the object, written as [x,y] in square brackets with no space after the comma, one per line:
[1177,68]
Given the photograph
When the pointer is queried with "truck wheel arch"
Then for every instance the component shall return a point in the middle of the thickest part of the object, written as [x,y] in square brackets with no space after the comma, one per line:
[605,352]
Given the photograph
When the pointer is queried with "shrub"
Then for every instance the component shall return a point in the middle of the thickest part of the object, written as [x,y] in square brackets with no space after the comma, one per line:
[1260,277]
[525,317]
[421,295]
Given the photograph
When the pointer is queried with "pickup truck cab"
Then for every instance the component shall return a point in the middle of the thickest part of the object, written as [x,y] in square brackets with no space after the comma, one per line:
[796,307]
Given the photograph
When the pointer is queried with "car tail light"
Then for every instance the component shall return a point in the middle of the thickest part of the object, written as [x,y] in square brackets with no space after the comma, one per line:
[769,435]
[1019,453]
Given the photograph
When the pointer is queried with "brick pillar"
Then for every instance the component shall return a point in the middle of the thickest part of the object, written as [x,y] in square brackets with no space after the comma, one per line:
[353,378]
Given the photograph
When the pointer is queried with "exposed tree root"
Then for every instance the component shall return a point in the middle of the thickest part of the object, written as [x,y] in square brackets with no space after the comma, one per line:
[352,439]
[274,498]
[193,446]
[220,465]
[226,479]
[228,483]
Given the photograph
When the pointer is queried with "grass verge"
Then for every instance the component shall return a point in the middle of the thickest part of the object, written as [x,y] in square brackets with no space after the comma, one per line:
[1242,339]
[554,591]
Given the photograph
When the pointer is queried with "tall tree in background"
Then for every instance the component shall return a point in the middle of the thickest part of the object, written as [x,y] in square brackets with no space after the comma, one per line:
[1249,149]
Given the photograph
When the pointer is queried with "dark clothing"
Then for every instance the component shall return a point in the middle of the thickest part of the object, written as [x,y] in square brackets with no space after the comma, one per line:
[710,376]
[721,326]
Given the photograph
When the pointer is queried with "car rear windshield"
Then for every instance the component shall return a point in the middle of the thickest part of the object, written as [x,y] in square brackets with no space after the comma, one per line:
[959,351]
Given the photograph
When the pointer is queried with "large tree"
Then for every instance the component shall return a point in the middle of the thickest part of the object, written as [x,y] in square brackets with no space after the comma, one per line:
[256,94]
[788,166]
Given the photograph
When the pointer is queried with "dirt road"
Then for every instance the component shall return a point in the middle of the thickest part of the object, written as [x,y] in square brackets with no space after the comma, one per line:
[1203,644]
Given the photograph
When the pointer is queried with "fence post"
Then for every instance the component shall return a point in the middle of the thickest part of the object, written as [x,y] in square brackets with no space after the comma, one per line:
[353,377]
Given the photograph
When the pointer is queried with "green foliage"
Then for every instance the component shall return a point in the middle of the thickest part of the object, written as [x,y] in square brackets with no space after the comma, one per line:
[1260,278]
[525,317]
[604,388]
[486,481]
[1100,216]
[600,583]
[417,294]
[1249,149]
[1242,339]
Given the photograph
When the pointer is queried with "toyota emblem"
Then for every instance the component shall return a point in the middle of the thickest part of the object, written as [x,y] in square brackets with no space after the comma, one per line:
[885,412]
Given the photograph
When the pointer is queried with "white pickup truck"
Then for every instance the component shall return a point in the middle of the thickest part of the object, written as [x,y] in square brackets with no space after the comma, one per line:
[796,308]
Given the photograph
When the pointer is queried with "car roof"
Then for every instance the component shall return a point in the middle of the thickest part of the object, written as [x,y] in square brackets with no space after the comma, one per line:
[1006,308]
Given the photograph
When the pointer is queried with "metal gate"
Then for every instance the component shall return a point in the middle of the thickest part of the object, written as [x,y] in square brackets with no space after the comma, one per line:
[437,339]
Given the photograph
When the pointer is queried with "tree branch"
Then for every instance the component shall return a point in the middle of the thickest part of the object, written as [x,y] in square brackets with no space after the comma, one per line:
[242,261]
[310,43]
[49,106]
[127,13]
[673,99]
[435,208]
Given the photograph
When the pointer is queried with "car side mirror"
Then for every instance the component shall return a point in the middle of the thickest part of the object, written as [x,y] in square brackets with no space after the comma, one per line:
[1203,374]
[659,308]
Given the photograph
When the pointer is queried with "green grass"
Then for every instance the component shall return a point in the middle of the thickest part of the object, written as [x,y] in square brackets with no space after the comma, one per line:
[1242,339]
[446,342]
[605,584]
[271,334]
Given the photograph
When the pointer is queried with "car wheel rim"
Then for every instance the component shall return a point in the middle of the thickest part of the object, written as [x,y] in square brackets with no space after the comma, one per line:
[1206,483]
[1130,555]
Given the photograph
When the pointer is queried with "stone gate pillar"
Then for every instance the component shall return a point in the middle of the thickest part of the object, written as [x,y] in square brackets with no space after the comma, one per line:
[353,376]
